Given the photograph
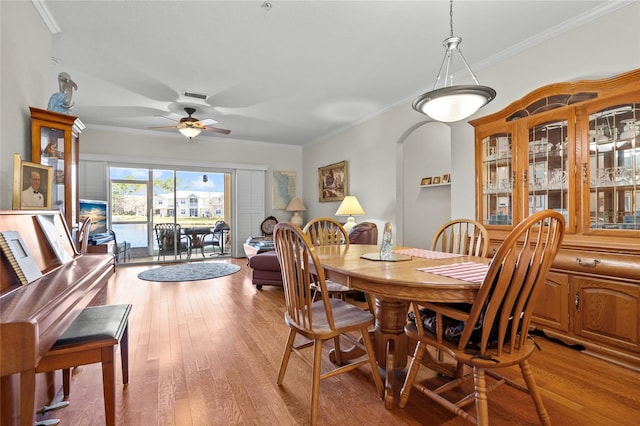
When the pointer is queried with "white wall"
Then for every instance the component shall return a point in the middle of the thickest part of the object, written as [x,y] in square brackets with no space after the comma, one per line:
[425,153]
[25,52]
[371,151]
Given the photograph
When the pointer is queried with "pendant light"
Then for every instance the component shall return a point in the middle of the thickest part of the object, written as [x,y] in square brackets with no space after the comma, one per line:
[452,103]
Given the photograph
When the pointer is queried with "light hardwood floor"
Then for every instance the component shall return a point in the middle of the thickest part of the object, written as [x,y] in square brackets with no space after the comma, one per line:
[208,353]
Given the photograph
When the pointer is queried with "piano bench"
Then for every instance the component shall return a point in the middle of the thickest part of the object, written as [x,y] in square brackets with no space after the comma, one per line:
[91,338]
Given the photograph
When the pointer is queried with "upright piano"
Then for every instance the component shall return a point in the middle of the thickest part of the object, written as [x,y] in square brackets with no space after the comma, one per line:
[33,316]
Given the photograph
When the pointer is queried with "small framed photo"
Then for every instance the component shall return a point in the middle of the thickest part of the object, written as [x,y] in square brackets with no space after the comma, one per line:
[436,180]
[333,182]
[32,185]
[425,181]
[446,178]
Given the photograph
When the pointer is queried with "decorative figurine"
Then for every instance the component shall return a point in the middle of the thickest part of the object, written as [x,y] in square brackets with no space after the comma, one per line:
[61,101]
[385,248]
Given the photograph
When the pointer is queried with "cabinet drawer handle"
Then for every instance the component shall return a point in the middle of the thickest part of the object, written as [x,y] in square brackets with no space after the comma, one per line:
[591,264]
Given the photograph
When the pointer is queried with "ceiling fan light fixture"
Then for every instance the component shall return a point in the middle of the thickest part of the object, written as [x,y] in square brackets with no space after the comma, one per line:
[453,103]
[190,132]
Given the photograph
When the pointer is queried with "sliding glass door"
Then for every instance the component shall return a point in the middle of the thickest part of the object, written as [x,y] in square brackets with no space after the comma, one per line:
[188,204]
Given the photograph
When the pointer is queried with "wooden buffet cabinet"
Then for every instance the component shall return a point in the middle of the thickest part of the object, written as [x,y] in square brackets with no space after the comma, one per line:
[575,148]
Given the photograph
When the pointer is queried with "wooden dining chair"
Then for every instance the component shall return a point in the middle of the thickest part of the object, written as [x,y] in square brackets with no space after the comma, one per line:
[462,236]
[325,231]
[491,333]
[325,319]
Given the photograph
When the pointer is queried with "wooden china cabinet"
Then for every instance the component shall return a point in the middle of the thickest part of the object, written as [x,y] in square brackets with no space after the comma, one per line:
[575,148]
[55,141]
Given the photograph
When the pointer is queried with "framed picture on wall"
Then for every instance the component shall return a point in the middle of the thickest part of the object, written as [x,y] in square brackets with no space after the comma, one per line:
[446,178]
[32,185]
[333,182]
[283,188]
[425,181]
[436,180]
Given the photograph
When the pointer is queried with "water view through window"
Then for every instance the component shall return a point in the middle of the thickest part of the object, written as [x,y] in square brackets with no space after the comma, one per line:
[191,200]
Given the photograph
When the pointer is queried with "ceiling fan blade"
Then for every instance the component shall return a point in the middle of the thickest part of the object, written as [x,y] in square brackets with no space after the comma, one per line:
[218,130]
[207,121]
[168,118]
[163,127]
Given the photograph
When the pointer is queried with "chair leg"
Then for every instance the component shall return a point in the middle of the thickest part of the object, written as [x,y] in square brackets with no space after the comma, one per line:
[286,355]
[109,384]
[372,361]
[482,407]
[124,354]
[535,394]
[371,303]
[414,366]
[338,352]
[66,382]
[315,386]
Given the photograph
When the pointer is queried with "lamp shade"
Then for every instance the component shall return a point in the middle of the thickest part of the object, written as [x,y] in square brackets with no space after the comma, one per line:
[295,205]
[350,206]
[190,132]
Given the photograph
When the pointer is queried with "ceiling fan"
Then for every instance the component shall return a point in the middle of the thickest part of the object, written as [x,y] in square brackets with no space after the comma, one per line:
[191,126]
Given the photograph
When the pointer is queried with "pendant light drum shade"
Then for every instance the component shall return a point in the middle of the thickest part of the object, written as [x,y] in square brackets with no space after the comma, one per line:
[454,103]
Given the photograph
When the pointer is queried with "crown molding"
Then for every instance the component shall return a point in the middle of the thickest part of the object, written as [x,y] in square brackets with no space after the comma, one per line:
[46,16]
[551,33]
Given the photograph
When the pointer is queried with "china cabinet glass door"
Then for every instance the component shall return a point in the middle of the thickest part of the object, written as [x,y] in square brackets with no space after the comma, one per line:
[548,168]
[614,167]
[52,153]
[55,143]
[497,179]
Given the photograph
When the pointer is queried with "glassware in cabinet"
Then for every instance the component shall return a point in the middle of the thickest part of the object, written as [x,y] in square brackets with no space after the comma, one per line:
[497,179]
[548,168]
[614,167]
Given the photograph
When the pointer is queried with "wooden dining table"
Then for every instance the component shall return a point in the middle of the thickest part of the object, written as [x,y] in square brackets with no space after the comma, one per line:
[395,284]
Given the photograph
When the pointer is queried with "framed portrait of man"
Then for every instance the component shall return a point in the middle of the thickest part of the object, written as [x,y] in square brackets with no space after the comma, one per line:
[32,185]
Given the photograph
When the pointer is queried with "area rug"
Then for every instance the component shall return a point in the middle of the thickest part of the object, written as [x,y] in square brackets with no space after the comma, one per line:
[189,272]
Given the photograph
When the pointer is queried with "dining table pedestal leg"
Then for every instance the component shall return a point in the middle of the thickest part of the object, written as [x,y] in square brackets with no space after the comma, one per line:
[389,341]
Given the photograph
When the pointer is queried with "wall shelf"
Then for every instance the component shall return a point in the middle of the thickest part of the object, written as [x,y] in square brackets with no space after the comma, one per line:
[436,184]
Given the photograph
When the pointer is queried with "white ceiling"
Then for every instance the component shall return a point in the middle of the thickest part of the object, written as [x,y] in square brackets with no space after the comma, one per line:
[292,73]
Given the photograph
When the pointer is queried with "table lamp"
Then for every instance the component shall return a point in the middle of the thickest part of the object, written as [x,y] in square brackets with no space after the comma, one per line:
[350,207]
[295,206]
